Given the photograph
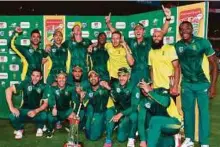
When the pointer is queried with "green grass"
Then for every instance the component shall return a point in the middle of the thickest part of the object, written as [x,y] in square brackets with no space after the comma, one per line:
[29,139]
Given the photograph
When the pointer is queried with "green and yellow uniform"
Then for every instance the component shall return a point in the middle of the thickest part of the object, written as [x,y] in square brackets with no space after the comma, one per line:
[31,58]
[161,62]
[158,119]
[79,55]
[116,60]
[99,62]
[58,61]
[125,99]
[33,96]
[140,52]
[195,84]
[96,101]
[62,100]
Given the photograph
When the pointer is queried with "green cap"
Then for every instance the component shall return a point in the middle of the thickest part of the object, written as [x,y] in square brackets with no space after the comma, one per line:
[124,70]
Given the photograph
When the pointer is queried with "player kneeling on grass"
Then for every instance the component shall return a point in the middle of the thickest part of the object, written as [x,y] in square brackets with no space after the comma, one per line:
[34,102]
[160,112]
[125,97]
[96,99]
[60,103]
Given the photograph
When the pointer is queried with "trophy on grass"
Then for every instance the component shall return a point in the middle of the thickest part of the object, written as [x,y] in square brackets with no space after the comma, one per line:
[73,136]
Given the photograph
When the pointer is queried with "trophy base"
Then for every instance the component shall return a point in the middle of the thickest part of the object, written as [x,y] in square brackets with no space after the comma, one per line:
[73,144]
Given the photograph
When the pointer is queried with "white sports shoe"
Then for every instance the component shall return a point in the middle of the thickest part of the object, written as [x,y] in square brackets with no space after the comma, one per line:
[39,132]
[177,138]
[204,145]
[19,134]
[131,142]
[187,143]
[45,128]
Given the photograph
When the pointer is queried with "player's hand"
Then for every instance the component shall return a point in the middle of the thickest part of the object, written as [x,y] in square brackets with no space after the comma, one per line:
[143,144]
[44,60]
[78,89]
[48,48]
[32,113]
[212,91]
[105,85]
[82,95]
[54,111]
[15,111]
[117,117]
[174,91]
[145,86]
[123,43]
[108,18]
[167,12]
[18,30]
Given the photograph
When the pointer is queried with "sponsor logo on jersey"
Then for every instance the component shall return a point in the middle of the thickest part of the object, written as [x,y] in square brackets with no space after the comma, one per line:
[25,25]
[14,67]
[120,25]
[3,41]
[3,75]
[25,42]
[3,25]
[29,88]
[96,25]
[3,59]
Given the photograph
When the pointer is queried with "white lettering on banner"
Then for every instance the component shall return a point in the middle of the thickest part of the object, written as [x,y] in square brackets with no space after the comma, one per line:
[13,25]
[171,21]
[3,25]
[168,40]
[85,34]
[2,50]
[153,30]
[14,82]
[94,41]
[14,67]
[108,34]
[145,22]
[70,25]
[10,33]
[25,42]
[120,25]
[3,75]
[96,25]
[11,51]
[131,34]
[3,41]
[3,59]
[25,25]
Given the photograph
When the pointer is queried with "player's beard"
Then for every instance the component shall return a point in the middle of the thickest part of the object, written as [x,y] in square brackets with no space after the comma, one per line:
[157,45]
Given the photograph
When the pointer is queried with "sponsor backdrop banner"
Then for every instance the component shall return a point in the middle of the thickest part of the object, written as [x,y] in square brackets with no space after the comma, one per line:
[10,63]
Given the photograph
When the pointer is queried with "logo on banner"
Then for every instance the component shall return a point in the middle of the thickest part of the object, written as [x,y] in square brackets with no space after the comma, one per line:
[131,34]
[25,25]
[70,25]
[85,34]
[3,75]
[108,34]
[13,25]
[96,25]
[168,40]
[153,30]
[84,25]
[171,21]
[2,33]
[3,59]
[11,51]
[3,84]
[25,42]
[3,25]
[2,50]
[96,33]
[145,22]
[94,41]
[25,33]
[13,58]
[120,25]
[132,24]
[3,41]
[10,33]
[14,67]
[14,82]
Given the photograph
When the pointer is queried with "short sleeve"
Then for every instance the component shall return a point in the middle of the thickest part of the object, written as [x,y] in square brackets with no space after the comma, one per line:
[208,48]
[172,53]
[19,87]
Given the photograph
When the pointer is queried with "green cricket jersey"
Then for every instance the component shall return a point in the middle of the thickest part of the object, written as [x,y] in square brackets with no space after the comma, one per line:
[31,58]
[125,98]
[32,94]
[99,62]
[191,58]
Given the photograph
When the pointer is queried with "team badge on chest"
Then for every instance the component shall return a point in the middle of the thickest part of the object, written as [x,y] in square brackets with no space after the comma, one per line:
[29,88]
